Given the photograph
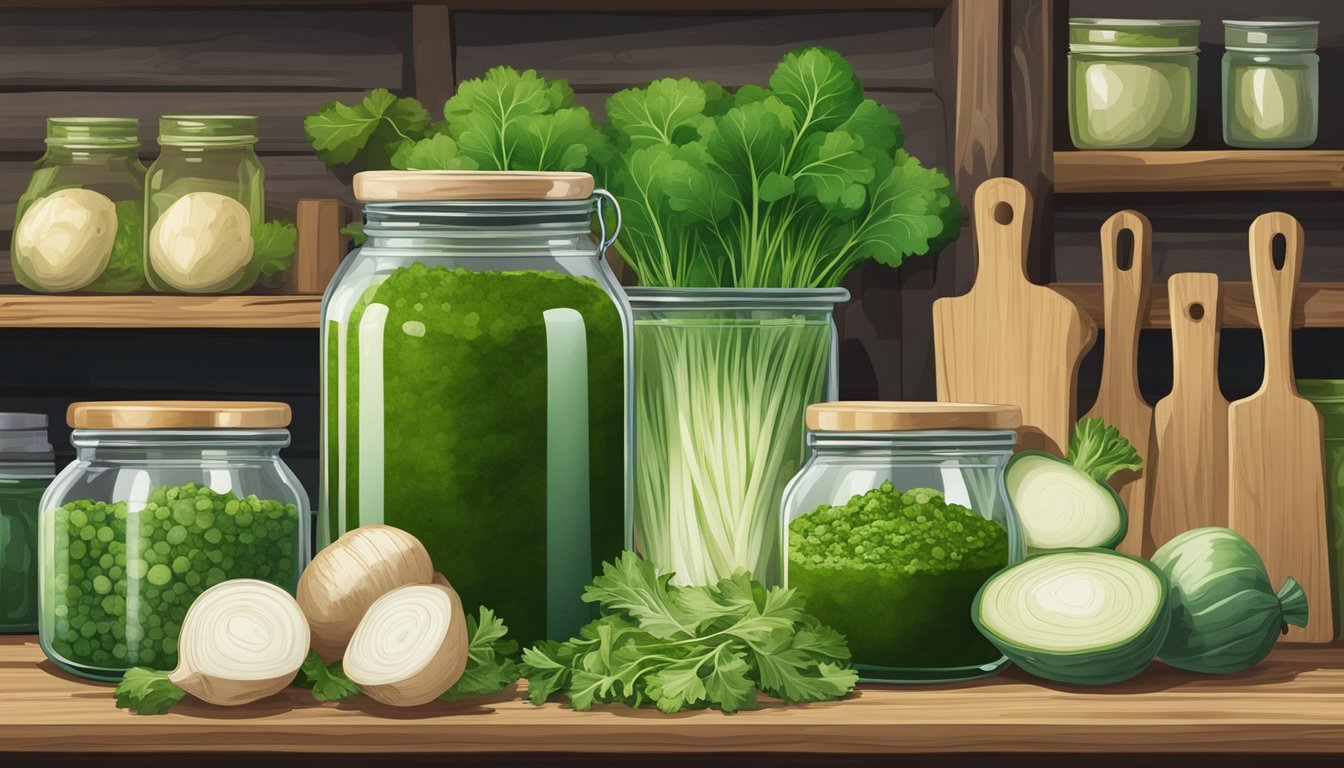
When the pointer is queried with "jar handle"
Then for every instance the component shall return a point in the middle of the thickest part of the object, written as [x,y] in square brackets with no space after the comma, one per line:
[604,195]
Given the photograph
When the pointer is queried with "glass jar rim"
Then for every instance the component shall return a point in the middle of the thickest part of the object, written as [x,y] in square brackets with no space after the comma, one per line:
[451,218]
[917,440]
[1146,36]
[151,438]
[93,132]
[698,299]
[207,130]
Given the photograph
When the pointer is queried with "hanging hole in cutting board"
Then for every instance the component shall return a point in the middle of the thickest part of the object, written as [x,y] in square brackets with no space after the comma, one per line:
[1195,311]
[1003,214]
[1278,248]
[1124,250]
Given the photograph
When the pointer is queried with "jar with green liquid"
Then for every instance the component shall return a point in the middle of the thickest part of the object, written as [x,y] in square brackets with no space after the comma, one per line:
[1270,83]
[204,197]
[26,469]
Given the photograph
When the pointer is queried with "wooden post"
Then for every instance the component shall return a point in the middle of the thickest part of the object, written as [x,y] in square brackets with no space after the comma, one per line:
[432,56]
[1032,135]
[321,245]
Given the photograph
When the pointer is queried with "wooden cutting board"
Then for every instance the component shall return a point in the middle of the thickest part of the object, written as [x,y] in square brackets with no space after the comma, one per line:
[1190,424]
[1009,341]
[1276,463]
[1126,292]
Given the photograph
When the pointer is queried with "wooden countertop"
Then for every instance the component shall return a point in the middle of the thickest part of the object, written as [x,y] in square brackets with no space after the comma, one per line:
[1293,702]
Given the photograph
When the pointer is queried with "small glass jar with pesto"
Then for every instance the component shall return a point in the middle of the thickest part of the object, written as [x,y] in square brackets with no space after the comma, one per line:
[204,195]
[1132,83]
[894,524]
[1270,83]
[162,501]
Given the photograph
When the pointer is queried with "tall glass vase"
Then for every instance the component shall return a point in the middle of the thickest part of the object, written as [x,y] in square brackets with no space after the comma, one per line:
[722,379]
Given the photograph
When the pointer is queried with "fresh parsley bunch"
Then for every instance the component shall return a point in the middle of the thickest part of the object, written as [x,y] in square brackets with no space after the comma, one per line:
[789,186]
[690,647]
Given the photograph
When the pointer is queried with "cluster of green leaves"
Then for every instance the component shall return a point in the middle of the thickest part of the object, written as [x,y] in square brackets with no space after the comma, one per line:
[147,691]
[491,665]
[125,272]
[505,120]
[788,186]
[273,244]
[1099,450]
[683,648]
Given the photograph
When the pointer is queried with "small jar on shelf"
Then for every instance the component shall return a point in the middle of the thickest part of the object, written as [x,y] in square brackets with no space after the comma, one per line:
[162,501]
[204,197]
[1270,83]
[894,524]
[79,222]
[26,467]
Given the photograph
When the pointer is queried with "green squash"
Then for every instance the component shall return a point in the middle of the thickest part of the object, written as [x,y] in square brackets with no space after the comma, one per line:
[1081,616]
[1225,614]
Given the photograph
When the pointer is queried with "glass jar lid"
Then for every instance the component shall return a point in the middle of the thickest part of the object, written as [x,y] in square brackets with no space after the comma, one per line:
[207,130]
[910,416]
[93,132]
[1271,34]
[1161,36]
[425,186]
[178,414]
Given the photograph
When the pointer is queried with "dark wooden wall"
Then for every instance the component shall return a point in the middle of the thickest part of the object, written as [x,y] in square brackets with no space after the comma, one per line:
[281,63]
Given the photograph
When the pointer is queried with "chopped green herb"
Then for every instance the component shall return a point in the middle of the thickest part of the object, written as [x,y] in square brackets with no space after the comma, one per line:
[274,243]
[147,692]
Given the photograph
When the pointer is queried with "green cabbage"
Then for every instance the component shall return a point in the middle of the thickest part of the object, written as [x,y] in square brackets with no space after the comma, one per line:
[1226,616]
[1082,616]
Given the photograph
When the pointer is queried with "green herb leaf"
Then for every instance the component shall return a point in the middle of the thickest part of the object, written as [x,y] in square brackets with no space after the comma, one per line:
[490,658]
[366,135]
[355,231]
[125,272]
[273,245]
[147,692]
[667,111]
[690,647]
[327,681]
[438,153]
[1100,451]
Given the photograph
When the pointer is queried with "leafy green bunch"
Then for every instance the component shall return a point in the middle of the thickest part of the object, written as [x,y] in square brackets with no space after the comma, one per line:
[788,186]
[505,120]
[1099,450]
[690,647]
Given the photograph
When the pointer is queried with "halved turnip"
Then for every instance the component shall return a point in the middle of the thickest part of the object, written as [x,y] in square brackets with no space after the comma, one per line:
[410,647]
[350,574]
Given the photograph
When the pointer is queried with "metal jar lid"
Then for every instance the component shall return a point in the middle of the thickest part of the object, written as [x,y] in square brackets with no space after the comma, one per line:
[178,414]
[910,416]
[424,186]
[23,437]
[1134,36]
[1271,35]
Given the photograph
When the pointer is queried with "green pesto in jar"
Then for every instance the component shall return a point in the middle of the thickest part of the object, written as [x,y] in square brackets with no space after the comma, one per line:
[463,398]
[897,574]
[1270,83]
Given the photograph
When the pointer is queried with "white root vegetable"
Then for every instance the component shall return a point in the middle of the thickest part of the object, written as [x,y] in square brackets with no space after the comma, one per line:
[64,240]
[346,577]
[410,647]
[202,243]
[241,641]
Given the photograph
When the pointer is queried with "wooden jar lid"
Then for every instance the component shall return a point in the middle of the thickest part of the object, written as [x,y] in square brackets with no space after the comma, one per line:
[898,416]
[177,414]
[425,186]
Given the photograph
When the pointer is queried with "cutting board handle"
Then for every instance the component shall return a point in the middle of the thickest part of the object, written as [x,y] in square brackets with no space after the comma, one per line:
[1002,226]
[1127,289]
[1194,299]
[1275,289]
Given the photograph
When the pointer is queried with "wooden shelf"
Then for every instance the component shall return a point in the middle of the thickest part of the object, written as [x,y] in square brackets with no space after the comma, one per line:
[1319,305]
[1289,703]
[540,6]
[1229,170]
[253,311]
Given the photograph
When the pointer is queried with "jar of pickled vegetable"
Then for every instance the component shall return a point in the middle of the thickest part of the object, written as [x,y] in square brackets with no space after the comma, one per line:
[78,224]
[894,524]
[1132,83]
[476,389]
[163,500]
[204,196]
[1270,83]
[25,470]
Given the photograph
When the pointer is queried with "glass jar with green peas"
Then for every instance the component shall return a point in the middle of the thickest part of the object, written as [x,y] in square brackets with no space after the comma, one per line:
[163,500]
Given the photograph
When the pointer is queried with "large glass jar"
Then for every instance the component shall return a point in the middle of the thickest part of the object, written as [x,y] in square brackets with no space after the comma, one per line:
[25,470]
[723,376]
[894,524]
[204,194]
[78,224]
[1328,397]
[1132,83]
[1270,83]
[476,387]
[163,500]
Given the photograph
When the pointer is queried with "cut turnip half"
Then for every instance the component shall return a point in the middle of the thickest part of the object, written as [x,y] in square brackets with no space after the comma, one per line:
[241,640]
[350,574]
[410,647]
